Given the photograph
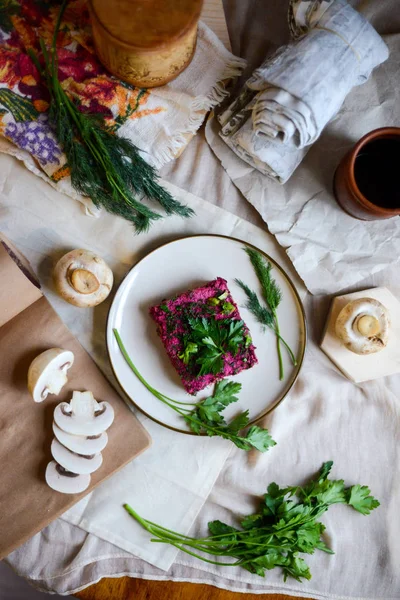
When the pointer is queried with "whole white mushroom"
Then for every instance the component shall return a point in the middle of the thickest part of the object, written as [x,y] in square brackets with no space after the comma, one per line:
[363,326]
[82,278]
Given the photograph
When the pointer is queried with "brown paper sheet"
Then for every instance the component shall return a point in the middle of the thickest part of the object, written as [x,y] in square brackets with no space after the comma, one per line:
[16,291]
[27,504]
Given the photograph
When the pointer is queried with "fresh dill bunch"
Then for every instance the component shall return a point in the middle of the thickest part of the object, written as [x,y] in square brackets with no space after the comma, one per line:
[107,168]
[272,295]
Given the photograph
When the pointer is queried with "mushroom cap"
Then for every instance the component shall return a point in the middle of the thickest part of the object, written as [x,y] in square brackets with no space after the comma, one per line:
[65,482]
[363,326]
[79,443]
[75,463]
[47,373]
[82,278]
[84,415]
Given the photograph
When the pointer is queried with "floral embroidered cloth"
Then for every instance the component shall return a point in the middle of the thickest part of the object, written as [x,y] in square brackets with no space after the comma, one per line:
[160,122]
[289,99]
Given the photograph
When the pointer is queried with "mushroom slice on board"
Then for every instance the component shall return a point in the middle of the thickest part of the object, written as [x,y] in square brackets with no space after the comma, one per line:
[363,326]
[81,444]
[83,415]
[75,463]
[61,480]
[83,278]
[47,373]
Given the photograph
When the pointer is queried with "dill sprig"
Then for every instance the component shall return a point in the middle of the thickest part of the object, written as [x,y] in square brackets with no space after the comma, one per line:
[272,295]
[107,168]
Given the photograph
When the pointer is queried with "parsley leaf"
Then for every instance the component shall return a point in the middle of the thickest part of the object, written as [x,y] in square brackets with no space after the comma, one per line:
[325,470]
[361,500]
[259,438]
[206,417]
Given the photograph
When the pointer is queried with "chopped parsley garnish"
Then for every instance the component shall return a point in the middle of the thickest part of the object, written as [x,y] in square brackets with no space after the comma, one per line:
[213,339]
[190,348]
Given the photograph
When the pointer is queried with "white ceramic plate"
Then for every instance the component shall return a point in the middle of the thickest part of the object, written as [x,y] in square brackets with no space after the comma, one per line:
[174,268]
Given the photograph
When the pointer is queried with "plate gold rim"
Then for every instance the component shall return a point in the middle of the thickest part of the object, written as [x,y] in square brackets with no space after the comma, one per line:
[294,290]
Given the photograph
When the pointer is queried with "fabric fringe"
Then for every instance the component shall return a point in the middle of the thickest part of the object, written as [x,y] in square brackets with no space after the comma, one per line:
[198,109]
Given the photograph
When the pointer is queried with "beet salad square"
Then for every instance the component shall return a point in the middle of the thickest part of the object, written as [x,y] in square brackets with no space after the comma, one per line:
[204,335]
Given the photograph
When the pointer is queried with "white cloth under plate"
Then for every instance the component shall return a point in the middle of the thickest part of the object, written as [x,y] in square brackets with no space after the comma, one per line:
[289,99]
[172,479]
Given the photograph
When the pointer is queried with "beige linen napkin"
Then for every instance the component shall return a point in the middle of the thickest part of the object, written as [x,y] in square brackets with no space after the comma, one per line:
[291,96]
[329,249]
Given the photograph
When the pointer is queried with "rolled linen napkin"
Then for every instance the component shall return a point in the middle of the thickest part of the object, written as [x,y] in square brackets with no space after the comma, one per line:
[289,99]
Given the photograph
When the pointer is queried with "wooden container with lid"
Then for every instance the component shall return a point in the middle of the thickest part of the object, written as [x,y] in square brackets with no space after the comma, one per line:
[145,42]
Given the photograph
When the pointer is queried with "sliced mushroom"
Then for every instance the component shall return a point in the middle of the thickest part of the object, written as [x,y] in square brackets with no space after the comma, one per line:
[83,415]
[82,278]
[75,463]
[81,444]
[363,326]
[61,480]
[47,373]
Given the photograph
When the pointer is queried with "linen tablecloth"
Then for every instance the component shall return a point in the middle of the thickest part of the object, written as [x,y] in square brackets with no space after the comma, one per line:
[323,418]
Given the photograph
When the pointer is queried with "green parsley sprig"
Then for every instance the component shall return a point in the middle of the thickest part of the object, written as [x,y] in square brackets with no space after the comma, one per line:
[286,525]
[205,417]
[107,168]
[272,295]
[209,341]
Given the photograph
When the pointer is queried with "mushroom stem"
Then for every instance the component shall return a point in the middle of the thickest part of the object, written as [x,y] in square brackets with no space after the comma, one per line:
[57,382]
[368,325]
[84,282]
[363,326]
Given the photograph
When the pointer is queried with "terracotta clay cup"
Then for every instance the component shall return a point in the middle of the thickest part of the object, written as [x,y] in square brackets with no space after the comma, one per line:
[345,187]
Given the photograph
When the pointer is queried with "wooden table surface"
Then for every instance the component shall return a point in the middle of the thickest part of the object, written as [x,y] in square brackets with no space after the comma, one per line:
[126,588]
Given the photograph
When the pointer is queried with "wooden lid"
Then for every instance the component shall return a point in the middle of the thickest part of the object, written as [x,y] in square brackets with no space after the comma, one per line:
[147,23]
